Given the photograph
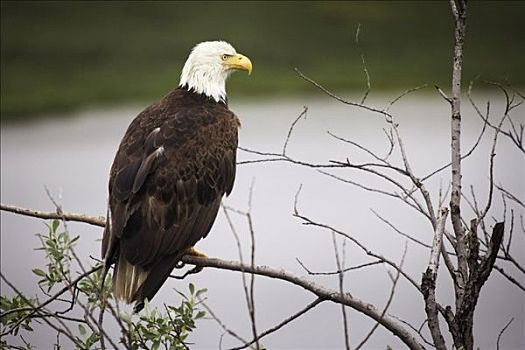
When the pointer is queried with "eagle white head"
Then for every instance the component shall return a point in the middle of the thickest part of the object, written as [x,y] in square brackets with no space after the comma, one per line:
[209,65]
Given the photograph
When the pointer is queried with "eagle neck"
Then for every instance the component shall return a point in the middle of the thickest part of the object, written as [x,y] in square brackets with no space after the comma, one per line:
[211,84]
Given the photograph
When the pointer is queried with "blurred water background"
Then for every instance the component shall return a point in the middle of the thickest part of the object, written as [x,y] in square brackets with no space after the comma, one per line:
[75,74]
[60,56]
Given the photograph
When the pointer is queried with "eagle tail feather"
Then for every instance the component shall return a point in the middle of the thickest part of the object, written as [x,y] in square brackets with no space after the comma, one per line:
[127,279]
[152,282]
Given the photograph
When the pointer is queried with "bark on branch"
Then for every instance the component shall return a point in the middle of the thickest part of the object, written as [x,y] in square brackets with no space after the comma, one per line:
[322,292]
[459,11]
[428,283]
[463,322]
[92,220]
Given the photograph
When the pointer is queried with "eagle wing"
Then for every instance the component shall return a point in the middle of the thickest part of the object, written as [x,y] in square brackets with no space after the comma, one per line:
[170,173]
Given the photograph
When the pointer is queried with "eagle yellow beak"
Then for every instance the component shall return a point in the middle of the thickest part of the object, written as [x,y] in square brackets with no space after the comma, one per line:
[239,62]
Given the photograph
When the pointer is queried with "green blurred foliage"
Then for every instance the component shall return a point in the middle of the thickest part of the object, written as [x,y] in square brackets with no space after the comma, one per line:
[57,56]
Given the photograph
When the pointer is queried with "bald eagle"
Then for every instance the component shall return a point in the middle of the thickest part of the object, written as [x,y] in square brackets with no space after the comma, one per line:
[172,168]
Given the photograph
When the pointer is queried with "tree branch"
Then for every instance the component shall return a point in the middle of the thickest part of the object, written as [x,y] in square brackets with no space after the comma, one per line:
[282,324]
[462,324]
[320,291]
[389,301]
[92,220]
[428,284]
[459,12]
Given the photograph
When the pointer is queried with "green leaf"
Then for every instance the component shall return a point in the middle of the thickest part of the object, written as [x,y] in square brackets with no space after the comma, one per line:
[201,291]
[39,272]
[27,327]
[54,225]
[192,288]
[82,330]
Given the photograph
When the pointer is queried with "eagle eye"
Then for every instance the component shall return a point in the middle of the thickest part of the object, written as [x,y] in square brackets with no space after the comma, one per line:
[225,56]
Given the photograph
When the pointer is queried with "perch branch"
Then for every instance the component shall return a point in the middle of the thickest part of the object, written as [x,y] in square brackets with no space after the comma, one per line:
[321,292]
[92,220]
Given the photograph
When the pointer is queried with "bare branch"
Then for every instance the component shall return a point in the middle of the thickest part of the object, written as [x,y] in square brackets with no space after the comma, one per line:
[502,331]
[491,171]
[459,12]
[248,294]
[367,251]
[360,266]
[367,75]
[513,134]
[510,195]
[92,220]
[252,261]
[302,115]
[417,330]
[340,267]
[413,203]
[385,114]
[362,148]
[320,291]
[389,301]
[428,284]
[415,240]
[442,93]
[403,94]
[220,323]
[462,323]
[282,324]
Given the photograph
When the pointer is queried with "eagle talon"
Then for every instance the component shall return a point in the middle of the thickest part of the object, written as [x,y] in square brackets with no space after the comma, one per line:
[193,271]
[193,252]
[180,265]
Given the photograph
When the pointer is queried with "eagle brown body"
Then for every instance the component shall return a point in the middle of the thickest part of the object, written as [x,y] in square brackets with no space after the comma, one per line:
[174,164]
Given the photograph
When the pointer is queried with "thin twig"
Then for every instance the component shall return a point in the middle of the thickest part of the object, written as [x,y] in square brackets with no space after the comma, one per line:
[502,331]
[302,115]
[329,273]
[340,268]
[389,301]
[385,114]
[282,324]
[220,323]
